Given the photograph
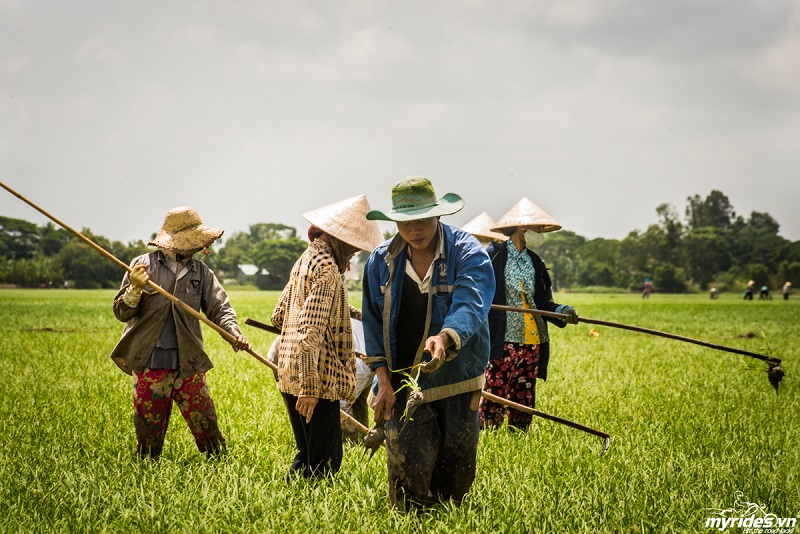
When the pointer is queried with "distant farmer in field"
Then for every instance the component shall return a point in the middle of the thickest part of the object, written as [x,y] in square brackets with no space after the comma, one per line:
[426,297]
[785,290]
[647,288]
[713,293]
[161,344]
[316,362]
[748,292]
[764,295]
[520,342]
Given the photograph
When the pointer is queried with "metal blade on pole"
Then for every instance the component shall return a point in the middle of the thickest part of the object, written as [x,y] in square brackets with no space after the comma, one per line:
[262,326]
[188,309]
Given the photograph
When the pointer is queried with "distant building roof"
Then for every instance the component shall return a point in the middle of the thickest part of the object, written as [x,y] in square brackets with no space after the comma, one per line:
[248,269]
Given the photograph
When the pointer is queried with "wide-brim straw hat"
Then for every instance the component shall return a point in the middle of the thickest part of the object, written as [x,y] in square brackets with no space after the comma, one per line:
[481,226]
[527,213]
[414,198]
[347,221]
[183,230]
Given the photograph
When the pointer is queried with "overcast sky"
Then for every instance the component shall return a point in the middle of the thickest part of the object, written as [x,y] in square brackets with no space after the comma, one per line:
[111,113]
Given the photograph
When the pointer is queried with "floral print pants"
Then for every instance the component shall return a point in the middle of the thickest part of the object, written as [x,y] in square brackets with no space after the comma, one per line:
[153,393]
[514,378]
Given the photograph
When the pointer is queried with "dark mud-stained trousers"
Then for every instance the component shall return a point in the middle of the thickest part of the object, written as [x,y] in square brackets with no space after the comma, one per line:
[433,457]
[319,443]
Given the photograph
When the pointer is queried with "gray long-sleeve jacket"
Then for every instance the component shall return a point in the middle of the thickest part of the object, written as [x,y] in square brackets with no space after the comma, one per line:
[199,288]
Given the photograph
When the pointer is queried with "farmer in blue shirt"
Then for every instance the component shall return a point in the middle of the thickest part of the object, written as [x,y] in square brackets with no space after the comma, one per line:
[426,300]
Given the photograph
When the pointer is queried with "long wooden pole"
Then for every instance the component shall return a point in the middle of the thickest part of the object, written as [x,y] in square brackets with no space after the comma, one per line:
[188,309]
[490,396]
[769,359]
[522,408]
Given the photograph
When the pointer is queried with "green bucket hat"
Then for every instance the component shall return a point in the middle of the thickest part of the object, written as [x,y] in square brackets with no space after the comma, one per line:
[413,198]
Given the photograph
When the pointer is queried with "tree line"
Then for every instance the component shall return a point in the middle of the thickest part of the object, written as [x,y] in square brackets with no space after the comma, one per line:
[709,246]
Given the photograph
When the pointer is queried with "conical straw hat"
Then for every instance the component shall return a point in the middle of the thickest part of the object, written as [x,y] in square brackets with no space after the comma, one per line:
[347,221]
[526,213]
[183,230]
[480,228]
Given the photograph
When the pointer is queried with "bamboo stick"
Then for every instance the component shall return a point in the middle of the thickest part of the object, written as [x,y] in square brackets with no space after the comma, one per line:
[522,408]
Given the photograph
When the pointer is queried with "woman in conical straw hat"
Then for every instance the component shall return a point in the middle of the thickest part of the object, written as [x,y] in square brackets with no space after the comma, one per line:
[481,228]
[316,363]
[520,342]
[161,345]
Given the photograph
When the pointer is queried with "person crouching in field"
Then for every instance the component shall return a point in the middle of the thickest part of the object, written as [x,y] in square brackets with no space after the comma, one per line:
[161,344]
[426,297]
[520,342]
[316,362]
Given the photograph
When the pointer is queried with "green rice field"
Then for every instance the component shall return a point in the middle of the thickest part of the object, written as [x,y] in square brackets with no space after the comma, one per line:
[690,427]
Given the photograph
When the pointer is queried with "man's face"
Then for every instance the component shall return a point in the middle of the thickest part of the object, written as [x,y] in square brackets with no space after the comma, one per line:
[420,234]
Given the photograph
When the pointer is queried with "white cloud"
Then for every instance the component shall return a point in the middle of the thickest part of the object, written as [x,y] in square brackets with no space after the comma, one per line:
[370,51]
[576,14]
[778,64]
[196,35]
[13,65]
[365,54]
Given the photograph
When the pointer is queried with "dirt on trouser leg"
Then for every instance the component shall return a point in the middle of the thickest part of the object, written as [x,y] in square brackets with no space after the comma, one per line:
[432,457]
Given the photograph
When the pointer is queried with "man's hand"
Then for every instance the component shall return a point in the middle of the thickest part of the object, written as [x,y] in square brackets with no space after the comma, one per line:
[437,346]
[305,407]
[241,344]
[139,277]
[383,404]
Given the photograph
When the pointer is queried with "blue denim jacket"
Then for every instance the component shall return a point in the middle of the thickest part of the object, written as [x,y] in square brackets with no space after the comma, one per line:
[461,291]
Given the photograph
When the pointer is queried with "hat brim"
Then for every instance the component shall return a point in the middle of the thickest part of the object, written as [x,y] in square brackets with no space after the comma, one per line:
[447,205]
[363,238]
[488,235]
[196,238]
[346,221]
[538,228]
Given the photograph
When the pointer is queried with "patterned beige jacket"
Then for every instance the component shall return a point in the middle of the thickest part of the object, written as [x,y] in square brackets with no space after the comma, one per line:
[315,354]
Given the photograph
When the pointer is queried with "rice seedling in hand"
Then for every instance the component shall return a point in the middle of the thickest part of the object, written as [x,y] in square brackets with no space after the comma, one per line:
[414,399]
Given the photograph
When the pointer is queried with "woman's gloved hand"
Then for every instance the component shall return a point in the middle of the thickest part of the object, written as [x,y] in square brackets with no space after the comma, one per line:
[139,277]
[569,311]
